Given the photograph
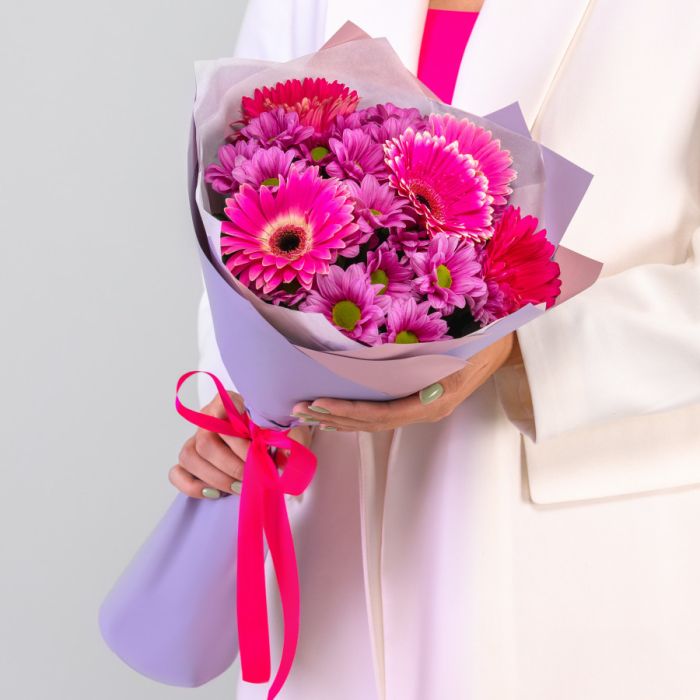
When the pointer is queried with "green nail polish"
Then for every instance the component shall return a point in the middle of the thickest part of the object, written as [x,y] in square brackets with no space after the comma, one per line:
[211,493]
[431,393]
[236,486]
[319,409]
[308,421]
[328,428]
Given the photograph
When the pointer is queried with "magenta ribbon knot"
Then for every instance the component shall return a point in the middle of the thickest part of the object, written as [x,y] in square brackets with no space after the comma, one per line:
[262,513]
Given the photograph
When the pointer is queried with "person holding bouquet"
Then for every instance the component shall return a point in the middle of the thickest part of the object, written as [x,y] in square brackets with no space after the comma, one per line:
[523,528]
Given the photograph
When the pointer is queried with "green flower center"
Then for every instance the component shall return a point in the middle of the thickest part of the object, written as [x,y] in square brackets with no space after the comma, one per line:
[405,337]
[380,277]
[376,212]
[346,314]
[444,277]
[271,182]
[319,153]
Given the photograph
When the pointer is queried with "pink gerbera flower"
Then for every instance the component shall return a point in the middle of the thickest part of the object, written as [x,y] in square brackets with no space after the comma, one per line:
[277,128]
[265,167]
[220,175]
[445,186]
[348,299]
[448,273]
[384,267]
[517,267]
[377,205]
[292,234]
[410,322]
[315,100]
[356,155]
[493,161]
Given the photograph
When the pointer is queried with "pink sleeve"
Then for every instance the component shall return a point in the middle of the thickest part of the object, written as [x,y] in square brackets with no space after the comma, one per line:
[445,37]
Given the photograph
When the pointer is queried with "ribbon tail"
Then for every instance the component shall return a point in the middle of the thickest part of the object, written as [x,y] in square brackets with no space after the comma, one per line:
[251,602]
[281,543]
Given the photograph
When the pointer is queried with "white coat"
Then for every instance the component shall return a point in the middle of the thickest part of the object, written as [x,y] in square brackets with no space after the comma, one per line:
[544,549]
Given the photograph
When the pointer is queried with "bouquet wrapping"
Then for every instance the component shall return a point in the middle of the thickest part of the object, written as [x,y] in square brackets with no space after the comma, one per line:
[171,615]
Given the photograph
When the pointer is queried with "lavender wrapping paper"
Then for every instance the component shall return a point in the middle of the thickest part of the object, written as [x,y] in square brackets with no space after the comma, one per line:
[171,615]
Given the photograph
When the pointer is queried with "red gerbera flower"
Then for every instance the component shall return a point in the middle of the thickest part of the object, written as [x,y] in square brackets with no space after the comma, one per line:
[315,100]
[517,267]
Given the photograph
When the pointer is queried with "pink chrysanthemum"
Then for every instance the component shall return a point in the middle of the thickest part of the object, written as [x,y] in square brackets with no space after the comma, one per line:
[384,267]
[410,322]
[266,167]
[449,273]
[355,156]
[494,162]
[289,295]
[343,122]
[444,186]
[348,299]
[517,267]
[315,100]
[379,113]
[377,205]
[316,152]
[387,121]
[409,240]
[293,234]
[277,128]
[220,175]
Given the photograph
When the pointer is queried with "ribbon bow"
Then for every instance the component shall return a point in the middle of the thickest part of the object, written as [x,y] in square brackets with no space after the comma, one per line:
[262,512]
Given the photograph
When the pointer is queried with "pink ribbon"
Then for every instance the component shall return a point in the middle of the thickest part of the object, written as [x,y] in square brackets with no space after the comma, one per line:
[262,512]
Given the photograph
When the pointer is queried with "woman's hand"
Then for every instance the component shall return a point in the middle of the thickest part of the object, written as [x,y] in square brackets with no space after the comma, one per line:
[211,464]
[427,406]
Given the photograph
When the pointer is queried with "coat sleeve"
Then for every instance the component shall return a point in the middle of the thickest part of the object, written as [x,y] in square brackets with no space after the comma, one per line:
[628,346]
[275,30]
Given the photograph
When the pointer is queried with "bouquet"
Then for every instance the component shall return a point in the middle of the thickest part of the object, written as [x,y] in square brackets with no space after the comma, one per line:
[392,224]
[358,239]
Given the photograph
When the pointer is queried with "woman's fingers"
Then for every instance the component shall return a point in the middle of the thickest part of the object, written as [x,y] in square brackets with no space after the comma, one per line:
[301,434]
[217,451]
[203,470]
[184,482]
[365,416]
[236,446]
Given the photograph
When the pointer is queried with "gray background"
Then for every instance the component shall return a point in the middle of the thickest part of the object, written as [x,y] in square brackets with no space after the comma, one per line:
[98,292]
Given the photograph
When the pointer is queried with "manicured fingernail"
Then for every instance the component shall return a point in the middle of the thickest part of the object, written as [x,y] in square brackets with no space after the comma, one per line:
[236,486]
[328,428]
[211,493]
[318,409]
[431,393]
[308,421]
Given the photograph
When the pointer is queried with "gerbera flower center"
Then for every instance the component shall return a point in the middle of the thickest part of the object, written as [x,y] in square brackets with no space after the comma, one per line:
[444,276]
[424,194]
[380,277]
[405,337]
[376,212]
[271,182]
[288,242]
[346,314]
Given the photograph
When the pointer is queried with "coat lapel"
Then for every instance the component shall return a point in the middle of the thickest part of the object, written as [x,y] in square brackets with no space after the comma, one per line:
[537,35]
[515,52]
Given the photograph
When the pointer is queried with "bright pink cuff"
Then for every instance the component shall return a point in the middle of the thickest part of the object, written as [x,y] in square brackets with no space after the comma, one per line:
[445,37]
